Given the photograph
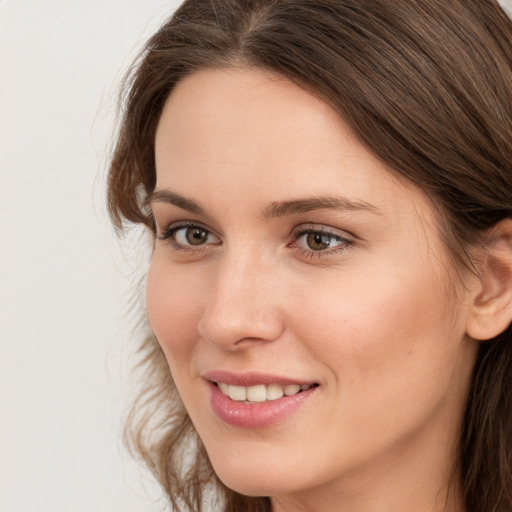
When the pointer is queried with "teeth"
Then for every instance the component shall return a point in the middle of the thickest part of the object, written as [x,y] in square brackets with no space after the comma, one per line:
[238,393]
[291,389]
[274,391]
[260,392]
[224,387]
[256,393]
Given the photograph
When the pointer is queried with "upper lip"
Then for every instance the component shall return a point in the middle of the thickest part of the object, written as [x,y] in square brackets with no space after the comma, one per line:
[251,378]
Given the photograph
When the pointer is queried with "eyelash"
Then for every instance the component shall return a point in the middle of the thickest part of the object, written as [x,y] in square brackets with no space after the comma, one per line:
[344,243]
[170,233]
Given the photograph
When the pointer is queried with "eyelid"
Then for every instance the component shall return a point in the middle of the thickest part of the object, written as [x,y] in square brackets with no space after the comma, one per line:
[322,228]
[169,232]
[347,240]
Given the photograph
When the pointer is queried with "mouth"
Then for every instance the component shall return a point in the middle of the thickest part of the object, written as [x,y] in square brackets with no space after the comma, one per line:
[259,393]
[257,400]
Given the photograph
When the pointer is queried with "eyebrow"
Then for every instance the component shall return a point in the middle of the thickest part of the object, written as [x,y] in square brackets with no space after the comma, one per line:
[296,206]
[274,209]
[166,196]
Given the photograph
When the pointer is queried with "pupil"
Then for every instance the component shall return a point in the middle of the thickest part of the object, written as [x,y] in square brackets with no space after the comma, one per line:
[196,236]
[318,241]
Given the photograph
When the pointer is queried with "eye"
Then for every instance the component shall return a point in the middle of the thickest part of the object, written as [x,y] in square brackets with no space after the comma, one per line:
[188,236]
[191,236]
[319,242]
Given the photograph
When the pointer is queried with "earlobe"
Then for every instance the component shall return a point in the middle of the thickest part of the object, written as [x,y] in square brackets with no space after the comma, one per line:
[491,303]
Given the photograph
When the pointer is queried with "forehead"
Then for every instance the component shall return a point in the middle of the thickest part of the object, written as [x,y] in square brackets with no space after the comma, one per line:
[232,112]
[248,133]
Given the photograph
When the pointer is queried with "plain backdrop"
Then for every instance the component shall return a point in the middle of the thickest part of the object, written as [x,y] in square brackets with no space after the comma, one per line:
[64,341]
[62,277]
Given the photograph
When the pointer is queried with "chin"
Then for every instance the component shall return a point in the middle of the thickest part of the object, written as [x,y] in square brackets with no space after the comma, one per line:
[251,483]
[260,476]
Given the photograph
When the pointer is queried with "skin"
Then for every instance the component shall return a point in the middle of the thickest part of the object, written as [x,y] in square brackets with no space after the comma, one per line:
[375,319]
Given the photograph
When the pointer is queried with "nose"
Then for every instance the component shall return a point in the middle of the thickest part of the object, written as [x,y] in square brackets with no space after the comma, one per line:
[243,308]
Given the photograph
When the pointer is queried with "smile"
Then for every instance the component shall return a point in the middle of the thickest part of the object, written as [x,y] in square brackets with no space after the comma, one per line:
[261,392]
[256,400]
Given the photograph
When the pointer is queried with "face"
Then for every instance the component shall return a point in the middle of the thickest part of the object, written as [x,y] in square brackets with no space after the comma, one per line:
[301,295]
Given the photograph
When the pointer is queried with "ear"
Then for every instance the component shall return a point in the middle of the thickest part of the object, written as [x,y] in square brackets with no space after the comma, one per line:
[491,303]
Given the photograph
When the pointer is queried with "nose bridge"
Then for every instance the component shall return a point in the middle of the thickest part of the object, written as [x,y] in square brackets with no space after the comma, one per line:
[242,306]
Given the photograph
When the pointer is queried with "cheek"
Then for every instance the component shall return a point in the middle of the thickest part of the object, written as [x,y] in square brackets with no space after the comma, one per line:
[389,345]
[174,301]
[375,327]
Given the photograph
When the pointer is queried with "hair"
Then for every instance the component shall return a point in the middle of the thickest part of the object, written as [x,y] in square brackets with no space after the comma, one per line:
[426,85]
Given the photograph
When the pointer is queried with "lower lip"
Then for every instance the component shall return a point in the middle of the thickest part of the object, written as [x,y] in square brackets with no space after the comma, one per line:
[256,415]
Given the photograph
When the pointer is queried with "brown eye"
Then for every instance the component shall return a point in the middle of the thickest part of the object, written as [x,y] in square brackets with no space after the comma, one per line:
[320,242]
[189,236]
[196,236]
[317,241]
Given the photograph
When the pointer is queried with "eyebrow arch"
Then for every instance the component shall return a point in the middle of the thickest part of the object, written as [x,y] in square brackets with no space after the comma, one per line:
[166,196]
[295,206]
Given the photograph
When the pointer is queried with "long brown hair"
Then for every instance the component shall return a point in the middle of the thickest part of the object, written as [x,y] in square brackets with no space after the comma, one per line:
[426,85]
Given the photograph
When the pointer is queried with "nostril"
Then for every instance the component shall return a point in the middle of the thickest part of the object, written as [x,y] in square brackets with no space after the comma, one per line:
[236,327]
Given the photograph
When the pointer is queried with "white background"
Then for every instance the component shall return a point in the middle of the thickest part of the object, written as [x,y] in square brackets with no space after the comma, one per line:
[62,344]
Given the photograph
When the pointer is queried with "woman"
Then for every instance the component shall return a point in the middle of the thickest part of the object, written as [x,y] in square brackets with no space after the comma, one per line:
[329,189]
